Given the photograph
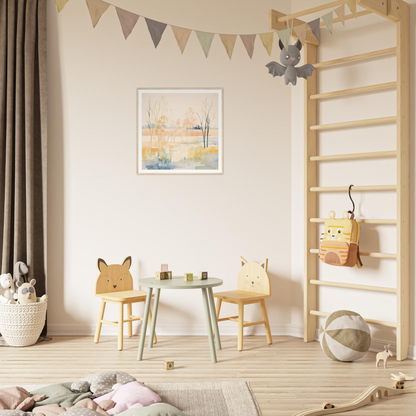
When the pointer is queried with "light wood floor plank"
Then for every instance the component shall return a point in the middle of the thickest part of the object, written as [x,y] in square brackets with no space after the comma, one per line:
[286,377]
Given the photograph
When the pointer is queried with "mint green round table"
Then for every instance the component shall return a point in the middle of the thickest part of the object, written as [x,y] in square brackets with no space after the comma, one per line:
[178,282]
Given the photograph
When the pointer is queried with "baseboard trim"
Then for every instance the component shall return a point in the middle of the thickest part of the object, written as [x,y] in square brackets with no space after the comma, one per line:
[226,329]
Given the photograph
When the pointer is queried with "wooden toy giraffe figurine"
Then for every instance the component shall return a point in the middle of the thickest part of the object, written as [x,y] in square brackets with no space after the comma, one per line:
[384,355]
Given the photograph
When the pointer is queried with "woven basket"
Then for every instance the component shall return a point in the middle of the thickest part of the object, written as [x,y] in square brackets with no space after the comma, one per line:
[21,325]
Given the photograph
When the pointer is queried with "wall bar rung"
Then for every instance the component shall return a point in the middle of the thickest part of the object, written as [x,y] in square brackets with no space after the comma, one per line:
[310,11]
[368,155]
[354,286]
[355,123]
[355,188]
[365,254]
[357,90]
[369,321]
[360,220]
[349,16]
[353,58]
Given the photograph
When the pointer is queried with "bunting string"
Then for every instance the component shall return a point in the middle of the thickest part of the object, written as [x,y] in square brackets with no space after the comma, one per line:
[128,21]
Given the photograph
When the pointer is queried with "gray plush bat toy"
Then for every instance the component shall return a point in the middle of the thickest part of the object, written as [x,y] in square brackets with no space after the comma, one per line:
[290,58]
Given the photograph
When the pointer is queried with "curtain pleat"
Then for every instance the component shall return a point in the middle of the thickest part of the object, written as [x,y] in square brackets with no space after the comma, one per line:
[23,137]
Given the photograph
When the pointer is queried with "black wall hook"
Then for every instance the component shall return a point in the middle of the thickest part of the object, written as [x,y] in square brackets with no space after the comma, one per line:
[353,204]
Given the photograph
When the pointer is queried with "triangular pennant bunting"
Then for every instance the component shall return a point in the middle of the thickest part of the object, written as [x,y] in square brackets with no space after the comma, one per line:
[267,40]
[127,21]
[284,36]
[314,25]
[353,7]
[328,20]
[340,12]
[156,30]
[60,4]
[229,42]
[248,41]
[96,9]
[205,39]
[301,32]
[181,36]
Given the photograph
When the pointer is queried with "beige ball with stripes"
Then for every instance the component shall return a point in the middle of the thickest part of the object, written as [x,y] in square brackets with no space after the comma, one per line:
[345,336]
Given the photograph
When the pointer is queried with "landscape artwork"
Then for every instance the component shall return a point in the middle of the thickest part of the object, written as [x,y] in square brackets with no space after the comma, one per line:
[179,131]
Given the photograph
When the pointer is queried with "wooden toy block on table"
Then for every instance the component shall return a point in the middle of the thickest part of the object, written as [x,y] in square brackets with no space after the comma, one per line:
[162,276]
[169,274]
[202,275]
[164,268]
[188,277]
[169,364]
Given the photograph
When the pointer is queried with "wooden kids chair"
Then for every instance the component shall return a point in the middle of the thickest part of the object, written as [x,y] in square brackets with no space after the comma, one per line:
[253,286]
[115,284]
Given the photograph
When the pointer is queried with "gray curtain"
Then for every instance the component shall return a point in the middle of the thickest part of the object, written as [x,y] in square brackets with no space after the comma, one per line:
[23,137]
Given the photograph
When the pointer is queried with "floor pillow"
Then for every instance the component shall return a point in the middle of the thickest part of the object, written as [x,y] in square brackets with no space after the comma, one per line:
[103,382]
[158,409]
[60,394]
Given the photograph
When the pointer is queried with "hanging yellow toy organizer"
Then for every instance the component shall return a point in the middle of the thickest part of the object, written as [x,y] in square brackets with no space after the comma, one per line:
[397,12]
[339,243]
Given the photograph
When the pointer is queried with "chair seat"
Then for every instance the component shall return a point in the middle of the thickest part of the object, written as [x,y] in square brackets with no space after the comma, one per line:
[237,296]
[124,296]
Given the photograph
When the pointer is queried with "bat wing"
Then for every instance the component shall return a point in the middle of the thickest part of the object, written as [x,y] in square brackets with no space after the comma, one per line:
[276,69]
[305,71]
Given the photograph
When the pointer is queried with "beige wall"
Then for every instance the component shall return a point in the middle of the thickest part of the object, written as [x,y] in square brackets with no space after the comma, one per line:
[363,35]
[100,207]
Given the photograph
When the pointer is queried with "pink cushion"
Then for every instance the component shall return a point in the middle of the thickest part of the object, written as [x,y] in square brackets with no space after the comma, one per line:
[130,395]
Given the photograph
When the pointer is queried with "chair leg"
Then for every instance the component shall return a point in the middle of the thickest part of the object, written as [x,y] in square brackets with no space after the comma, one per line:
[129,324]
[218,307]
[99,323]
[120,326]
[266,321]
[150,324]
[240,326]
[217,311]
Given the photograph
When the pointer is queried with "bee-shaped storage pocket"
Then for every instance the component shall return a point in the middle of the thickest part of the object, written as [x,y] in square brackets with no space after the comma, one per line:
[339,241]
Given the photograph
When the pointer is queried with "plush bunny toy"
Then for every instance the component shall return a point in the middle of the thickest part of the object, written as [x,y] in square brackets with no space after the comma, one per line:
[27,293]
[7,288]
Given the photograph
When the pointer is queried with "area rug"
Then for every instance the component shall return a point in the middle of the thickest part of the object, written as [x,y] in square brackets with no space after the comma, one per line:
[220,398]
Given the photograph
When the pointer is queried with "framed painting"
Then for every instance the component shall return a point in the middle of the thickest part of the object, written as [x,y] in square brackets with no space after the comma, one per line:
[180,131]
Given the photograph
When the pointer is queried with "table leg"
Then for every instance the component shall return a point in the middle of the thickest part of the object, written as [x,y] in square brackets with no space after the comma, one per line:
[209,327]
[144,323]
[152,327]
[214,317]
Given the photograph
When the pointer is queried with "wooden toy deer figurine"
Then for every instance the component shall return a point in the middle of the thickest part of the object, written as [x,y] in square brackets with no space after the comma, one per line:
[384,355]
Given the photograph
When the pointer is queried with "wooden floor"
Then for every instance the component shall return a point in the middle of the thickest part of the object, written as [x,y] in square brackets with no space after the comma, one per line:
[286,377]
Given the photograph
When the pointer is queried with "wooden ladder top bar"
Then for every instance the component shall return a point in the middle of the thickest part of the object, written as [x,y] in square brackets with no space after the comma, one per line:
[349,156]
[360,220]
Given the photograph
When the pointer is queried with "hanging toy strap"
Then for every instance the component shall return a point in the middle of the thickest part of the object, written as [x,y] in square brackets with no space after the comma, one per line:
[353,204]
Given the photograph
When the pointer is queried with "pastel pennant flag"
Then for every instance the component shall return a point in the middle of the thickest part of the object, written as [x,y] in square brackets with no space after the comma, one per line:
[229,43]
[353,7]
[156,30]
[314,25]
[181,36]
[328,20]
[267,40]
[340,12]
[284,36]
[301,32]
[127,21]
[96,9]
[248,41]
[205,39]
[60,4]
